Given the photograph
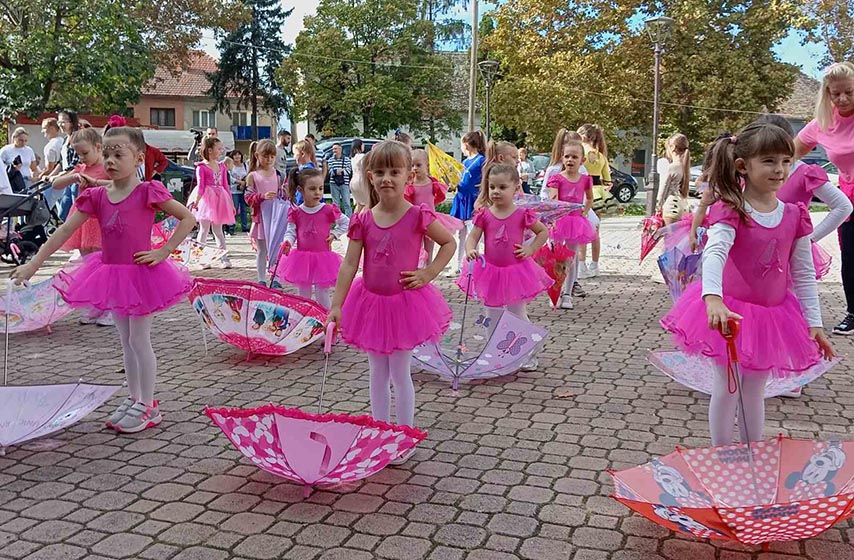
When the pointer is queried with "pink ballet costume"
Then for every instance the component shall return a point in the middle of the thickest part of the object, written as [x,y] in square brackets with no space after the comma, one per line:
[312,262]
[379,316]
[774,333]
[429,196]
[261,185]
[505,279]
[213,201]
[799,189]
[109,280]
[86,238]
[573,229]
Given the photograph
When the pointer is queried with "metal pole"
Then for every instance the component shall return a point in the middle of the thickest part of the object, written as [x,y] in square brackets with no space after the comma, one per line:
[254,76]
[473,64]
[652,201]
[488,100]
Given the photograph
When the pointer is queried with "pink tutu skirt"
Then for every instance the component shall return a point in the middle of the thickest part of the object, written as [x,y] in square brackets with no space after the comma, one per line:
[385,324]
[216,206]
[772,338]
[310,268]
[449,222]
[86,238]
[821,259]
[574,229]
[124,289]
[497,286]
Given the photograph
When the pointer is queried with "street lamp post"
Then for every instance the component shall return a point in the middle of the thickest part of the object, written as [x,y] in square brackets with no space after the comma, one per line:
[489,71]
[658,29]
[473,66]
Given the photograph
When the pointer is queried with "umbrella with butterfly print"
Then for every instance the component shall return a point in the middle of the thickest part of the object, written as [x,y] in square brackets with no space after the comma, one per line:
[512,343]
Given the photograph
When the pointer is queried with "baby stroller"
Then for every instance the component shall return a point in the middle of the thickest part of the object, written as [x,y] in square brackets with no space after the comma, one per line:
[20,241]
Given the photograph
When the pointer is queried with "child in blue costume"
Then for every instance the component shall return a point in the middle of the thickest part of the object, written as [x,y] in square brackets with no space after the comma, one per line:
[473,145]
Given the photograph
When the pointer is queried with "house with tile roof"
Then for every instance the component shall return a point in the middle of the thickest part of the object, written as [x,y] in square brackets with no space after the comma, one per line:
[178,102]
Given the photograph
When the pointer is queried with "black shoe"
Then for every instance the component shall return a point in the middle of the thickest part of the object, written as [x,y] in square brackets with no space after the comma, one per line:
[578,291]
[846,326]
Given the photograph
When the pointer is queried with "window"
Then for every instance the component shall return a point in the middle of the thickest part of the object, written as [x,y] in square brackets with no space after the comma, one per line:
[163,117]
[241,118]
[204,119]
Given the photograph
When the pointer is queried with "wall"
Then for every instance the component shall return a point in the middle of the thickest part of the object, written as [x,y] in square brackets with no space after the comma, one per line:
[142,110]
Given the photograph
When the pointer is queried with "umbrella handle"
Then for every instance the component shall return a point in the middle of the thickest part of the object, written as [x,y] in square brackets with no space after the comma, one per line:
[331,332]
[480,259]
[732,354]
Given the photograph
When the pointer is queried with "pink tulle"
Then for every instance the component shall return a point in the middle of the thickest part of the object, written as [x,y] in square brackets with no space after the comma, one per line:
[574,229]
[821,259]
[771,338]
[387,323]
[125,289]
[85,238]
[497,286]
[310,268]
[216,206]
[449,222]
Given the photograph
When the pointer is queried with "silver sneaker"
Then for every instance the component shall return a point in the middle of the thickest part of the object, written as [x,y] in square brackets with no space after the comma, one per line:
[532,365]
[120,412]
[105,320]
[138,418]
[565,302]
[226,262]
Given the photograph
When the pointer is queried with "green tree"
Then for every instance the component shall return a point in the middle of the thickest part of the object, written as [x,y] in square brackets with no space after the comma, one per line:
[369,64]
[564,64]
[249,57]
[832,23]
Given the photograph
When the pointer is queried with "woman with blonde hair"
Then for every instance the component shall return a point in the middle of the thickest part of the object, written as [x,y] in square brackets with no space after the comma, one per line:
[673,198]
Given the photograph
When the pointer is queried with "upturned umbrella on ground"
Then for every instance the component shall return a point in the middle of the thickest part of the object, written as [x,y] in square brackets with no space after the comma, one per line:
[33,307]
[649,234]
[552,257]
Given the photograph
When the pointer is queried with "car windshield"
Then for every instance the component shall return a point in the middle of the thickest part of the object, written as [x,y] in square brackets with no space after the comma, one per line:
[540,162]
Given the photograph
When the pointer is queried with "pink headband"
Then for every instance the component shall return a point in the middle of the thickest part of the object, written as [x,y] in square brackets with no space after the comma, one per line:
[116,121]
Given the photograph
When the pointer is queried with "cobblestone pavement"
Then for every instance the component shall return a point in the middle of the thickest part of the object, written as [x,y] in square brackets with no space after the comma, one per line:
[509,470]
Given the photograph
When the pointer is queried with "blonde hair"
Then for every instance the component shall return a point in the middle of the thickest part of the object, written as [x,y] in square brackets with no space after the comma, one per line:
[493,151]
[308,148]
[572,142]
[260,148]
[679,147]
[593,135]
[89,135]
[20,131]
[388,154]
[823,105]
[496,169]
[561,138]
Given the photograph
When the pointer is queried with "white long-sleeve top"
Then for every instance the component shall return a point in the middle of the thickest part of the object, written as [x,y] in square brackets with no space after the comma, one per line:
[339,228]
[840,207]
[720,240]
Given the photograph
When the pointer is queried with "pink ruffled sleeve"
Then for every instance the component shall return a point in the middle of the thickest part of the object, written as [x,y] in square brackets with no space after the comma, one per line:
[804,221]
[292,215]
[335,212]
[89,200]
[355,231]
[409,194]
[588,182]
[530,218]
[721,212]
[814,177]
[809,134]
[554,181]
[479,218]
[425,218]
[156,194]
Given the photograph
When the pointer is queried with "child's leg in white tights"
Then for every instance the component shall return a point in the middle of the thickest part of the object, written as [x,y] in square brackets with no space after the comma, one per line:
[139,359]
[304,291]
[388,370]
[204,229]
[520,310]
[216,229]
[261,259]
[571,271]
[461,245]
[724,406]
[322,297]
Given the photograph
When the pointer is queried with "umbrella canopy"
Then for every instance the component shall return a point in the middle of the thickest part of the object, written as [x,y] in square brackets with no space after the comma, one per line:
[679,269]
[28,412]
[552,257]
[33,307]
[274,216]
[774,490]
[512,343]
[696,372]
[256,319]
[190,253]
[314,449]
[547,211]
[443,166]
[649,234]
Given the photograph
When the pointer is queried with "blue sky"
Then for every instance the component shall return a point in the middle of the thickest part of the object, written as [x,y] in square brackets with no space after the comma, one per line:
[789,50]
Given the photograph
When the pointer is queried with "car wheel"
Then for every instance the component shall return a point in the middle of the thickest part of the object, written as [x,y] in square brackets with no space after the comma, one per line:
[623,193]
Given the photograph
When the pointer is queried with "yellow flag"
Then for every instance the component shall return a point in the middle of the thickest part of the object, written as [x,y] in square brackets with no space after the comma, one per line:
[444,167]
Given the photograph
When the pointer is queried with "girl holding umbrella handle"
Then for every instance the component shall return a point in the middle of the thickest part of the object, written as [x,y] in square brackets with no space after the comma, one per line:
[833,129]
[756,243]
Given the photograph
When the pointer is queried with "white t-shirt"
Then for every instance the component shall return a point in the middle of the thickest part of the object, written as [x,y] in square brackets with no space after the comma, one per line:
[53,151]
[28,156]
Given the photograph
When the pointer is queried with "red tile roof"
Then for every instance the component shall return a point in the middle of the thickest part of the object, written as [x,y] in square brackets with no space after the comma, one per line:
[191,82]
[98,121]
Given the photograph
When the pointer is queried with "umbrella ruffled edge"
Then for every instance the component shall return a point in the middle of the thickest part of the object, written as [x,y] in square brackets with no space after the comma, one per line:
[363,420]
[198,282]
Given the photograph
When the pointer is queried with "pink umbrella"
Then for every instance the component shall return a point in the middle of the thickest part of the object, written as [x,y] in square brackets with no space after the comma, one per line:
[547,211]
[314,449]
[650,235]
[34,307]
[257,319]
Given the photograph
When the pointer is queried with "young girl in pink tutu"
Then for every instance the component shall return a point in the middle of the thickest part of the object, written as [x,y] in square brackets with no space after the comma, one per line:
[510,278]
[393,307]
[87,143]
[429,191]
[757,247]
[126,277]
[575,229]
[213,206]
[262,184]
[312,226]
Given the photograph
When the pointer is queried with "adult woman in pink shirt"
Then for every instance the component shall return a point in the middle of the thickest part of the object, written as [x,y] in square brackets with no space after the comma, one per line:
[833,129]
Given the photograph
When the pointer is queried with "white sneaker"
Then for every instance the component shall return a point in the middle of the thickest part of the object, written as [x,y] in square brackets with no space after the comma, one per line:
[793,394]
[88,319]
[406,456]
[583,271]
[105,320]
[593,269]
[226,262]
[120,412]
[532,365]
[138,418]
[565,302]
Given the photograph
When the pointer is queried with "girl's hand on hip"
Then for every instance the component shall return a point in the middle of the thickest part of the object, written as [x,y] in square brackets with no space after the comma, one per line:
[414,279]
[151,258]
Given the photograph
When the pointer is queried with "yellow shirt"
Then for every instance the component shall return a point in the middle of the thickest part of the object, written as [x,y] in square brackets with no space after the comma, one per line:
[596,164]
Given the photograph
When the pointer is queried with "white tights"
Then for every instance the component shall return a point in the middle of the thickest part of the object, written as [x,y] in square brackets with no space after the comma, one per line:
[322,297]
[206,226]
[571,271]
[392,370]
[261,259]
[140,361]
[725,405]
[494,313]
[461,244]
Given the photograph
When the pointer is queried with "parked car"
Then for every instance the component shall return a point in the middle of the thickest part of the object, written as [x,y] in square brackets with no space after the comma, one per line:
[693,188]
[323,150]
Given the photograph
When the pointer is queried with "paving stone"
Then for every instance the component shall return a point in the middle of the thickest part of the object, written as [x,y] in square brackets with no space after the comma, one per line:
[263,546]
[58,552]
[122,545]
[403,548]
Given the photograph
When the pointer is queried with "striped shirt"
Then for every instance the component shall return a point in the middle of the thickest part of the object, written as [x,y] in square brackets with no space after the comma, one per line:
[336,164]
